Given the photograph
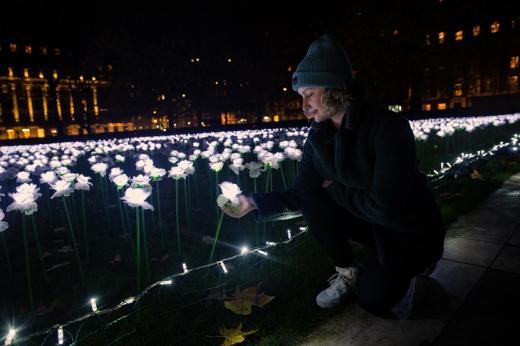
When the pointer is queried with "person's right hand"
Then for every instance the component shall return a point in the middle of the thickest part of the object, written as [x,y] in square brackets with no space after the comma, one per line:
[246,204]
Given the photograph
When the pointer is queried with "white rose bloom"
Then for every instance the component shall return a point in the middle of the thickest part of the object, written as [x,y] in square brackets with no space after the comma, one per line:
[62,188]
[83,183]
[48,177]
[120,180]
[137,198]
[230,191]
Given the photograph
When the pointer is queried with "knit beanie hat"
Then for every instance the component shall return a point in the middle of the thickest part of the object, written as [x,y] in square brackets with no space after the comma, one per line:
[326,65]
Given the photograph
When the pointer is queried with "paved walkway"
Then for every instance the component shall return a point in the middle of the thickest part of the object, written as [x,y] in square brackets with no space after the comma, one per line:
[473,295]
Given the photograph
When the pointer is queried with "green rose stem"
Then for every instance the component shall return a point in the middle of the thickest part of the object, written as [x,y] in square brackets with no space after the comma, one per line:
[283,178]
[196,187]
[256,224]
[145,245]
[219,224]
[159,214]
[6,253]
[138,248]
[48,205]
[38,246]
[177,216]
[84,222]
[216,194]
[27,264]
[123,221]
[76,250]
[105,192]
[186,205]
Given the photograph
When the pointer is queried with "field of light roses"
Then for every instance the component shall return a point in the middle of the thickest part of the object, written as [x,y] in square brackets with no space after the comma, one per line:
[90,228]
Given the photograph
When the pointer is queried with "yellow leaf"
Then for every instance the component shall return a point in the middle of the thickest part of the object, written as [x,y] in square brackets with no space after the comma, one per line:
[476,175]
[242,302]
[234,335]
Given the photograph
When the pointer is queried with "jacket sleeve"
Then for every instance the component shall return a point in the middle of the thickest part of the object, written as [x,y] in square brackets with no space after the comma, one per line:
[283,205]
[387,201]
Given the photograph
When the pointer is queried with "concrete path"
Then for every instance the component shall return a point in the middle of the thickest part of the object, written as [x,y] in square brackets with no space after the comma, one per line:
[473,295]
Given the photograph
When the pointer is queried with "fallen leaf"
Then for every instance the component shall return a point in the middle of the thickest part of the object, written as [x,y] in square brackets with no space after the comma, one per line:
[242,302]
[234,335]
[476,175]
[56,266]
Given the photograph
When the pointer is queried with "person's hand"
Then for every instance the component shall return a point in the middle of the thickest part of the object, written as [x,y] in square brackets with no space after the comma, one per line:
[326,183]
[246,204]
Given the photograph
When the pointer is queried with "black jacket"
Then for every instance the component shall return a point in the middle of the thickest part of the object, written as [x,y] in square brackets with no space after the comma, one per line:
[371,161]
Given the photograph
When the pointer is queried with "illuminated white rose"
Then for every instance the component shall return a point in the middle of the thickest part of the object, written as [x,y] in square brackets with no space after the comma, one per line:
[137,198]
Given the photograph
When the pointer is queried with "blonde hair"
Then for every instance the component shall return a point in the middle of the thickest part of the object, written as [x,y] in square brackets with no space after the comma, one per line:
[336,100]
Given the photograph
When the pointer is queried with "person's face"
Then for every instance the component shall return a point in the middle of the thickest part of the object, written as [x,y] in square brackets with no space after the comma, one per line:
[312,106]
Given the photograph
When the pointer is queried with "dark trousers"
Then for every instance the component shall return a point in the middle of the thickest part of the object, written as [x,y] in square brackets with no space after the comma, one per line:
[380,285]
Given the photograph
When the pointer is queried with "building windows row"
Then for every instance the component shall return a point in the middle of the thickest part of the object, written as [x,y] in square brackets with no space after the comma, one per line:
[459,34]
[28,49]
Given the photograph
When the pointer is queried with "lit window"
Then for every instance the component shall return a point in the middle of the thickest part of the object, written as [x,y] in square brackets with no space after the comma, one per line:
[10,72]
[57,51]
[513,63]
[426,107]
[289,69]
[396,32]
[427,40]
[55,74]
[26,72]
[40,75]
[476,30]
[458,89]
[441,106]
[43,50]
[284,89]
[441,35]
[12,47]
[495,27]
[229,60]
[459,35]
[28,49]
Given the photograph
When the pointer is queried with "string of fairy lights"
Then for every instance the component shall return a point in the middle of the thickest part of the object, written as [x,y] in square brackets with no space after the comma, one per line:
[166,281]
[436,175]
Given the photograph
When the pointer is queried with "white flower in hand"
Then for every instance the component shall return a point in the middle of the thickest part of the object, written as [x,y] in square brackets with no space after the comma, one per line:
[137,198]
[230,191]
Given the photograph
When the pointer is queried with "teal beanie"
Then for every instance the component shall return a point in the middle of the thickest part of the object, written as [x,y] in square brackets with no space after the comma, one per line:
[326,65]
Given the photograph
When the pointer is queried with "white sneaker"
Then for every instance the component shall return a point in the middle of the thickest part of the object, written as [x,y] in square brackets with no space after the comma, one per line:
[341,287]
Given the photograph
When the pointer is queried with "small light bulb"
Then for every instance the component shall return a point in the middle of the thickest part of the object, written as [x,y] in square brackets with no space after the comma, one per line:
[262,252]
[289,235]
[129,300]
[244,250]
[93,304]
[10,336]
[302,228]
[60,336]
[223,266]
[272,243]
[165,282]
[184,267]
